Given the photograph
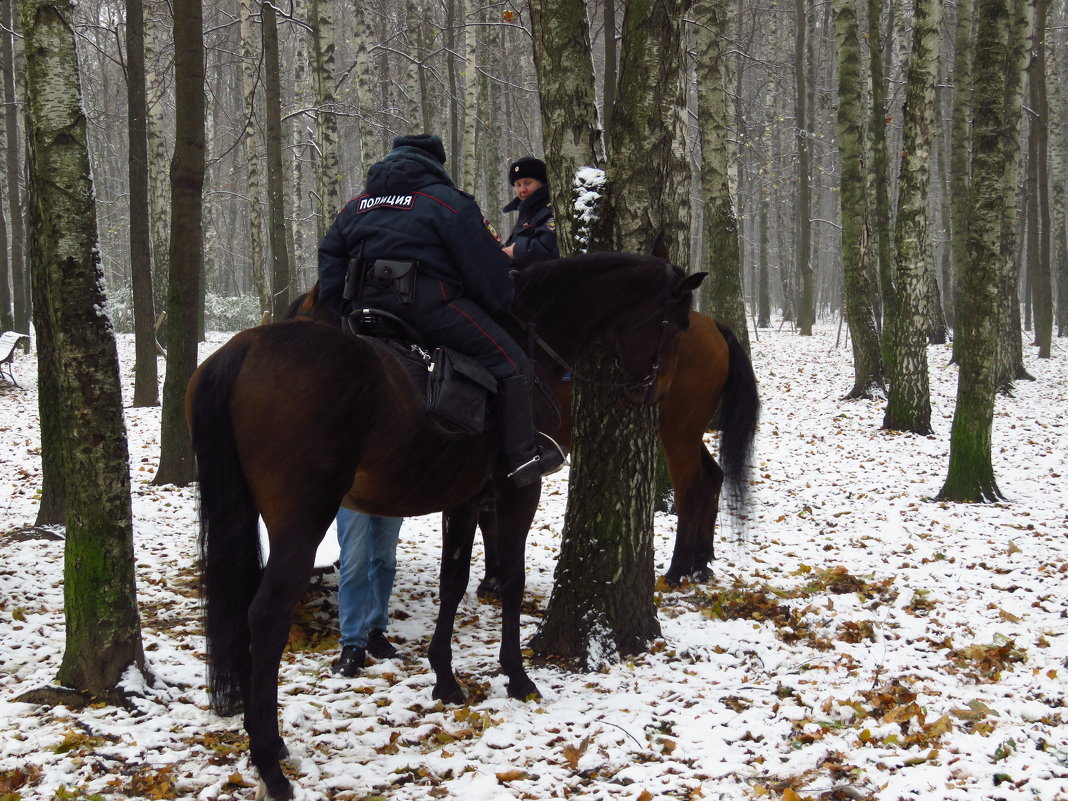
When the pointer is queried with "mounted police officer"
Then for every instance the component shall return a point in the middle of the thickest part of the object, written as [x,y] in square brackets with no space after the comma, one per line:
[533,237]
[421,249]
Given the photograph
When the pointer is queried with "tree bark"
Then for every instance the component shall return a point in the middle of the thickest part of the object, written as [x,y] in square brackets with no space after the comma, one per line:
[20,286]
[1040,267]
[602,599]
[858,274]
[158,36]
[329,173]
[281,285]
[806,312]
[960,141]
[103,636]
[1010,366]
[882,223]
[971,473]
[1059,177]
[722,290]
[186,247]
[908,406]
[570,134]
[250,60]
[146,372]
[610,506]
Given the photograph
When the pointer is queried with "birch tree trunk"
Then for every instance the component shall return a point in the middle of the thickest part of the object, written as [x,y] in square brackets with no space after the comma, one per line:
[1059,176]
[301,145]
[146,373]
[570,134]
[103,635]
[186,245]
[468,161]
[882,222]
[971,472]
[908,406]
[250,60]
[807,302]
[281,287]
[329,172]
[602,600]
[859,274]
[157,79]
[1040,267]
[20,285]
[1010,366]
[722,254]
[961,139]
[364,87]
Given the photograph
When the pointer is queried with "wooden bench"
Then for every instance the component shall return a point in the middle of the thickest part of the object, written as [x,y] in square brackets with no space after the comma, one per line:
[8,342]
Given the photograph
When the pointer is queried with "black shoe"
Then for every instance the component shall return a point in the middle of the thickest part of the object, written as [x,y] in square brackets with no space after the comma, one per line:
[350,663]
[379,647]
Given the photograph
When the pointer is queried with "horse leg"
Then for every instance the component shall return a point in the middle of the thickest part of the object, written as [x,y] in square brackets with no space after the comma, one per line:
[489,587]
[706,514]
[457,539]
[515,512]
[270,616]
[696,479]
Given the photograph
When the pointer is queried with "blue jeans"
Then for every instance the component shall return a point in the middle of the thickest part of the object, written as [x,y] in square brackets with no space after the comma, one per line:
[368,559]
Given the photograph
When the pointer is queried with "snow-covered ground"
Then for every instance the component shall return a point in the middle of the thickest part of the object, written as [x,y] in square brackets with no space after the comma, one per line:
[866,642]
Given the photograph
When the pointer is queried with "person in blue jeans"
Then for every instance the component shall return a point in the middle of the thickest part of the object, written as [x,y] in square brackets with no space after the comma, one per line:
[368,563]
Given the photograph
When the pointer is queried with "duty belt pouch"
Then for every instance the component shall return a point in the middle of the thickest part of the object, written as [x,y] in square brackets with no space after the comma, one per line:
[354,276]
[456,392]
[400,275]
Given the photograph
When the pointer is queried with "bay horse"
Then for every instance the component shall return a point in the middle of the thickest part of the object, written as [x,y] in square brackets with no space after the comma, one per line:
[713,381]
[292,419]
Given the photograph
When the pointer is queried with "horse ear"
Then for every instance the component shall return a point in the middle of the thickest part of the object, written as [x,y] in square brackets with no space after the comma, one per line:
[690,283]
[660,247]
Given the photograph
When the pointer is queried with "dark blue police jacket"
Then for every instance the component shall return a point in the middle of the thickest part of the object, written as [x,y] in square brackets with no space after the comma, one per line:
[534,233]
[411,210]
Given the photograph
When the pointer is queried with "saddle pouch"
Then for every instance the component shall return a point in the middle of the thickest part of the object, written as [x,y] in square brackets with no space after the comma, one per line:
[457,390]
[400,275]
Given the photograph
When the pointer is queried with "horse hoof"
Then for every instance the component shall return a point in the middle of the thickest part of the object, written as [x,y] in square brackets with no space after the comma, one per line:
[282,793]
[450,695]
[701,575]
[523,690]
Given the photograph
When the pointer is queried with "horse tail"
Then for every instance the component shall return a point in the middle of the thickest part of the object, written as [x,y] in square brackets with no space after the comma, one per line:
[739,411]
[229,533]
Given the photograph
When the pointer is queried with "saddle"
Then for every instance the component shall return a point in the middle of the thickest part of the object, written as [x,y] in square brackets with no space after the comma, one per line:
[456,388]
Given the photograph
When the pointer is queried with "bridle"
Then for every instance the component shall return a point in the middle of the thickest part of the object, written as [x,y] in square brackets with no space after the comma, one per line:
[645,384]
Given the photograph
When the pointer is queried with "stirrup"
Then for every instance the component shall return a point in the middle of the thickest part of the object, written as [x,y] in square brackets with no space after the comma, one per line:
[546,461]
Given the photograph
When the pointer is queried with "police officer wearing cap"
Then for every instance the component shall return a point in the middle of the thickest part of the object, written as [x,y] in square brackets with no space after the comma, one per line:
[422,250]
[533,237]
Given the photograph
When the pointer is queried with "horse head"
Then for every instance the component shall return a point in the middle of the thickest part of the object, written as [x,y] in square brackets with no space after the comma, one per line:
[646,347]
[634,305]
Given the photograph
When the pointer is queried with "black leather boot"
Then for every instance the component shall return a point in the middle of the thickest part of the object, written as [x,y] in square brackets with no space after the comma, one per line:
[379,647]
[350,663]
[527,461]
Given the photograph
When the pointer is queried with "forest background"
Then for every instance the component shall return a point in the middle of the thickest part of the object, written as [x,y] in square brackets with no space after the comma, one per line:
[354,75]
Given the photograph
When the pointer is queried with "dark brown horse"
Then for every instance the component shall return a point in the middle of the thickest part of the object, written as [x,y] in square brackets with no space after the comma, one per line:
[713,382]
[293,419]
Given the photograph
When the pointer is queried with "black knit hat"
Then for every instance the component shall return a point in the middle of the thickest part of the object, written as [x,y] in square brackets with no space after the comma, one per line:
[431,143]
[527,167]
